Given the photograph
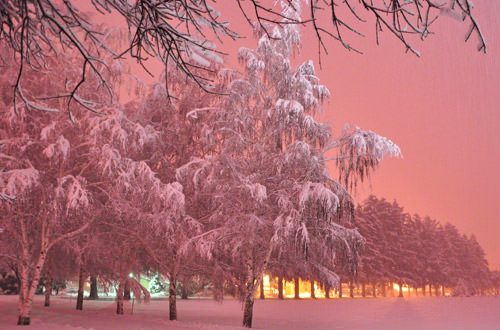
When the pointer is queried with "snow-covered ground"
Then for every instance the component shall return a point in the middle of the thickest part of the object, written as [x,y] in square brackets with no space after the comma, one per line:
[380,313]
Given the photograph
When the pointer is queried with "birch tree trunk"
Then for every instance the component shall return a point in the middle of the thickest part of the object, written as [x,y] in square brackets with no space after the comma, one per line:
[30,272]
[172,298]
[23,314]
[248,312]
[253,282]
[26,294]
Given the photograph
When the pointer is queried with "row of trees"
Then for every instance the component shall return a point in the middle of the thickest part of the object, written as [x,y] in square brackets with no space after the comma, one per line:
[419,251]
[225,185]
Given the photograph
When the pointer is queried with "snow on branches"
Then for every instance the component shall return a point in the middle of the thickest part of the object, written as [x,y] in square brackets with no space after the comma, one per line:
[267,184]
[71,190]
[18,181]
[359,152]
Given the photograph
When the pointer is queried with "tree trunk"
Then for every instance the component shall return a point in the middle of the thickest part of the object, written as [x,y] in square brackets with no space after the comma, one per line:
[172,298]
[126,290]
[18,279]
[184,292]
[93,288]
[442,290]
[430,290]
[185,288]
[327,291]
[363,289]
[384,289]
[313,294]
[351,289]
[247,314]
[296,287]
[26,292]
[81,282]
[48,290]
[23,306]
[423,290]
[261,289]
[374,289]
[400,290]
[280,287]
[119,296]
[436,289]
[340,289]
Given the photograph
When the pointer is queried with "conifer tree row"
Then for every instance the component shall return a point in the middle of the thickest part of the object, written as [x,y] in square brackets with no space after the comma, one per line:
[419,252]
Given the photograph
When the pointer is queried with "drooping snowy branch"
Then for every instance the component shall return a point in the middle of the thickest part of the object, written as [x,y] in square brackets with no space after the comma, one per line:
[360,152]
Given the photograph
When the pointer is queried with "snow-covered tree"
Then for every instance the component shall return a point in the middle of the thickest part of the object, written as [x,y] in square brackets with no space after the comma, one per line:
[140,202]
[171,244]
[45,163]
[268,183]
[372,261]
[52,199]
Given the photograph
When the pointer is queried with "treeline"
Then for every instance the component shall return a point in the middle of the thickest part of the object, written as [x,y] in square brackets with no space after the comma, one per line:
[419,252]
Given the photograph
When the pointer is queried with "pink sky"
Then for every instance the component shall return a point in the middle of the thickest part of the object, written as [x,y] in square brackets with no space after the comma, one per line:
[442,110]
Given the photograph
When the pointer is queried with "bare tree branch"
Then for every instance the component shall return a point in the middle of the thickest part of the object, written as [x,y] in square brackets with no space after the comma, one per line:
[177,32]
